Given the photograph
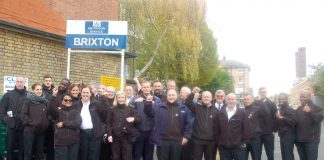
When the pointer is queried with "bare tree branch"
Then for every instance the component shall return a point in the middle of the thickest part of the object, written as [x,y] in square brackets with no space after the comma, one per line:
[149,63]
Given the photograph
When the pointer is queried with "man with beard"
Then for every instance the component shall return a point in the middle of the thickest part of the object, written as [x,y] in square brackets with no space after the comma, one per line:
[47,86]
[54,100]
[286,122]
[142,145]
[158,90]
[10,109]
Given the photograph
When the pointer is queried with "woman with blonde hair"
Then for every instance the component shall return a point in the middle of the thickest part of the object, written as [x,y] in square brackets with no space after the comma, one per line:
[121,130]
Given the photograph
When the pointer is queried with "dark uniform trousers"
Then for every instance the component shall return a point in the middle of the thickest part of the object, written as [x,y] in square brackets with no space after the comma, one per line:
[308,150]
[208,149]
[121,149]
[287,145]
[89,145]
[169,150]
[254,147]
[238,153]
[67,152]
[268,141]
[15,138]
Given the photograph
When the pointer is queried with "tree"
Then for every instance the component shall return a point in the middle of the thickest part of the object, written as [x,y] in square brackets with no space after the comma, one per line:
[317,80]
[208,59]
[222,80]
[171,38]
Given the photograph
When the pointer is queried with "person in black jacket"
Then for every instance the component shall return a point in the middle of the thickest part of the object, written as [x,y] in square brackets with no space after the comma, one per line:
[143,148]
[286,122]
[308,128]
[92,125]
[55,100]
[10,109]
[74,91]
[107,102]
[204,129]
[233,130]
[267,122]
[158,90]
[252,111]
[35,120]
[121,122]
[67,132]
[47,86]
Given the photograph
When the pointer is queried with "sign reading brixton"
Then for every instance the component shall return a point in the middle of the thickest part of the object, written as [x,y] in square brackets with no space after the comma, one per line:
[96,34]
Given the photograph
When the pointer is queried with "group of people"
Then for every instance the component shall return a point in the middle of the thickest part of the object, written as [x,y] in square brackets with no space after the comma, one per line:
[94,122]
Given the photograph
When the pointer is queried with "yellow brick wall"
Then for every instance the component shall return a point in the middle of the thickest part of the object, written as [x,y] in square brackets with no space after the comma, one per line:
[33,57]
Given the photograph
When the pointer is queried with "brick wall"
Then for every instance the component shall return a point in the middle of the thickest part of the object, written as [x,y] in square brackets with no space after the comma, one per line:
[30,56]
[91,10]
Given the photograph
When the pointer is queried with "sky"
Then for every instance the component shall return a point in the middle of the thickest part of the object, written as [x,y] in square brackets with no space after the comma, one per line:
[265,34]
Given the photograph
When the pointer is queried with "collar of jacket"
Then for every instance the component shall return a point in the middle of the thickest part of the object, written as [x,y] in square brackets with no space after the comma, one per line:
[164,105]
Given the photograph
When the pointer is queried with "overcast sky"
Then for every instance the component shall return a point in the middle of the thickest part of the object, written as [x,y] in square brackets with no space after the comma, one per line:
[265,34]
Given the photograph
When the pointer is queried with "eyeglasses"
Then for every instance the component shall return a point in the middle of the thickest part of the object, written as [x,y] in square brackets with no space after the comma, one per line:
[67,100]
[219,96]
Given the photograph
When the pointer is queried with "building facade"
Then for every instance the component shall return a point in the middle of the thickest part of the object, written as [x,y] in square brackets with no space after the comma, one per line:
[240,73]
[32,40]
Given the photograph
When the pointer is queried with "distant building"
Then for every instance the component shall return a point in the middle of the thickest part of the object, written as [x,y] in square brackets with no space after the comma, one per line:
[241,76]
[300,56]
[299,86]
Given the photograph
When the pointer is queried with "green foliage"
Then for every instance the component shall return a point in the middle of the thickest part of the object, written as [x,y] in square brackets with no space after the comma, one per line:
[181,47]
[317,80]
[208,59]
[222,80]
[187,52]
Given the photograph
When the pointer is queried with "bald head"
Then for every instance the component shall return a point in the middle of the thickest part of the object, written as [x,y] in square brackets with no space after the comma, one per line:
[207,98]
[305,97]
[172,96]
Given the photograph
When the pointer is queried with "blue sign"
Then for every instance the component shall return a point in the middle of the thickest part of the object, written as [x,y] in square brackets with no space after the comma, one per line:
[96,41]
[96,34]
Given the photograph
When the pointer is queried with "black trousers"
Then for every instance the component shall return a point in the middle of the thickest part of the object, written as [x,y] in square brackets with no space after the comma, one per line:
[67,152]
[34,143]
[121,149]
[169,150]
[49,143]
[106,152]
[308,150]
[143,148]
[15,140]
[287,146]
[267,140]
[254,147]
[206,149]
[89,146]
[238,153]
[187,151]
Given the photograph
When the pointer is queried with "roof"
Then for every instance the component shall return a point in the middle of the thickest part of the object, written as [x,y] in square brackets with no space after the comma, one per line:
[233,64]
[36,14]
